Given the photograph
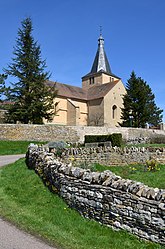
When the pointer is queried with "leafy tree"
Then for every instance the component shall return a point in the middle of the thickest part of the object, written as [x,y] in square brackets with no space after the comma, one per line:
[2,85]
[139,104]
[32,99]
[96,119]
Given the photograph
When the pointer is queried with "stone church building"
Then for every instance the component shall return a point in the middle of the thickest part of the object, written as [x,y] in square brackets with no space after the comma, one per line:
[97,103]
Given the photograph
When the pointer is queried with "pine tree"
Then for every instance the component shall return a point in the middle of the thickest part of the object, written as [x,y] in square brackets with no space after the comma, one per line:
[2,85]
[32,98]
[139,104]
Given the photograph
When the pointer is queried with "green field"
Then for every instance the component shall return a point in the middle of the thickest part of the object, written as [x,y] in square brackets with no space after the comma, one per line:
[25,201]
[15,147]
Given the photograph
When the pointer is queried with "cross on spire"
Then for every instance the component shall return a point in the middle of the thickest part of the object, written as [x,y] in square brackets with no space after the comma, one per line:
[101,29]
[101,62]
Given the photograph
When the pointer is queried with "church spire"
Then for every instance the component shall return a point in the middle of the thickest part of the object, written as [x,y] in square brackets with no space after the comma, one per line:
[101,62]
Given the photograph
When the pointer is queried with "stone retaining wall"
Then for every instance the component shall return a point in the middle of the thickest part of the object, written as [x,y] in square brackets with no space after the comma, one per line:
[37,132]
[113,155]
[105,197]
[73,133]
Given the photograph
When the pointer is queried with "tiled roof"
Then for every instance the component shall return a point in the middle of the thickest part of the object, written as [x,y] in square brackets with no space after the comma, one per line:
[99,91]
[73,92]
[69,91]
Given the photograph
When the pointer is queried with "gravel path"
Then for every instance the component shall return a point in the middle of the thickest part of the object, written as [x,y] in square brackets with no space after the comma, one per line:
[10,236]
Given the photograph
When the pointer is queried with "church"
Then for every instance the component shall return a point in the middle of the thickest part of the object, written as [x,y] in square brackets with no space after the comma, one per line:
[97,103]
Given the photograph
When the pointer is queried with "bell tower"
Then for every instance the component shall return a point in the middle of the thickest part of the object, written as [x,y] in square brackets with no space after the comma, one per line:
[101,71]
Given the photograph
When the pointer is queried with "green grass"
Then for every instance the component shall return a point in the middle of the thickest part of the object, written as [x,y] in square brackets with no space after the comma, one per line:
[137,173]
[146,145]
[14,147]
[25,201]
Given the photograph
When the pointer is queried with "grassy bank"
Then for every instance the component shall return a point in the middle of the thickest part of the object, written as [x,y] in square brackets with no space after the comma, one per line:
[14,147]
[27,202]
[147,145]
[138,173]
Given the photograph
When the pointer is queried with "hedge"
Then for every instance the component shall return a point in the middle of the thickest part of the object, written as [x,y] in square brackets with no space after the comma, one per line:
[115,139]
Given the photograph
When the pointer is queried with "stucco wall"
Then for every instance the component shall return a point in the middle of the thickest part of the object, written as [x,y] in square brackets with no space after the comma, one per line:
[86,84]
[70,133]
[106,78]
[81,112]
[61,111]
[114,97]
[99,78]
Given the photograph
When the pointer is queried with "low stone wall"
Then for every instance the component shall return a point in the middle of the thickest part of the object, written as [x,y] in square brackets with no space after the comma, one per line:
[73,134]
[113,155]
[105,197]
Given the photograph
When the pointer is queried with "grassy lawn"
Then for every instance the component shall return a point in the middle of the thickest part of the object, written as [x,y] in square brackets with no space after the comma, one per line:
[14,147]
[138,173]
[25,201]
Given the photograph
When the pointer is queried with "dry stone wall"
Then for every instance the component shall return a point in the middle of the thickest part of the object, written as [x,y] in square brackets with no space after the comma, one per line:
[105,197]
[113,155]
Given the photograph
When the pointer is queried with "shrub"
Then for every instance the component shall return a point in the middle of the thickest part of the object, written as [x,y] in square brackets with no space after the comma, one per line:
[152,165]
[57,147]
[115,139]
[97,138]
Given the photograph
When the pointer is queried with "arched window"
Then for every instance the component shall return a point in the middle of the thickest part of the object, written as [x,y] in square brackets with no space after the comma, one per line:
[114,111]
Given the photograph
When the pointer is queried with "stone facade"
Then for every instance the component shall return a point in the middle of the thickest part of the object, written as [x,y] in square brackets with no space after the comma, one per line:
[104,197]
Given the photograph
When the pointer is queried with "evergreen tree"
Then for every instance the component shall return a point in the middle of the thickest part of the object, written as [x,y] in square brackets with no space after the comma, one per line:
[139,104]
[2,85]
[32,98]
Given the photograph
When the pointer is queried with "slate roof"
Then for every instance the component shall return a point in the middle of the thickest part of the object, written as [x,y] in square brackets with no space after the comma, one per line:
[101,63]
[105,67]
[73,92]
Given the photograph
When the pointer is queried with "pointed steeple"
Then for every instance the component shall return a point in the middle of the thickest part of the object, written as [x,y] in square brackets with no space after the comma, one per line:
[101,62]
[100,72]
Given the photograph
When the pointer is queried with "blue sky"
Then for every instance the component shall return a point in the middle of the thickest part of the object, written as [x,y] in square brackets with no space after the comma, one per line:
[67,31]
